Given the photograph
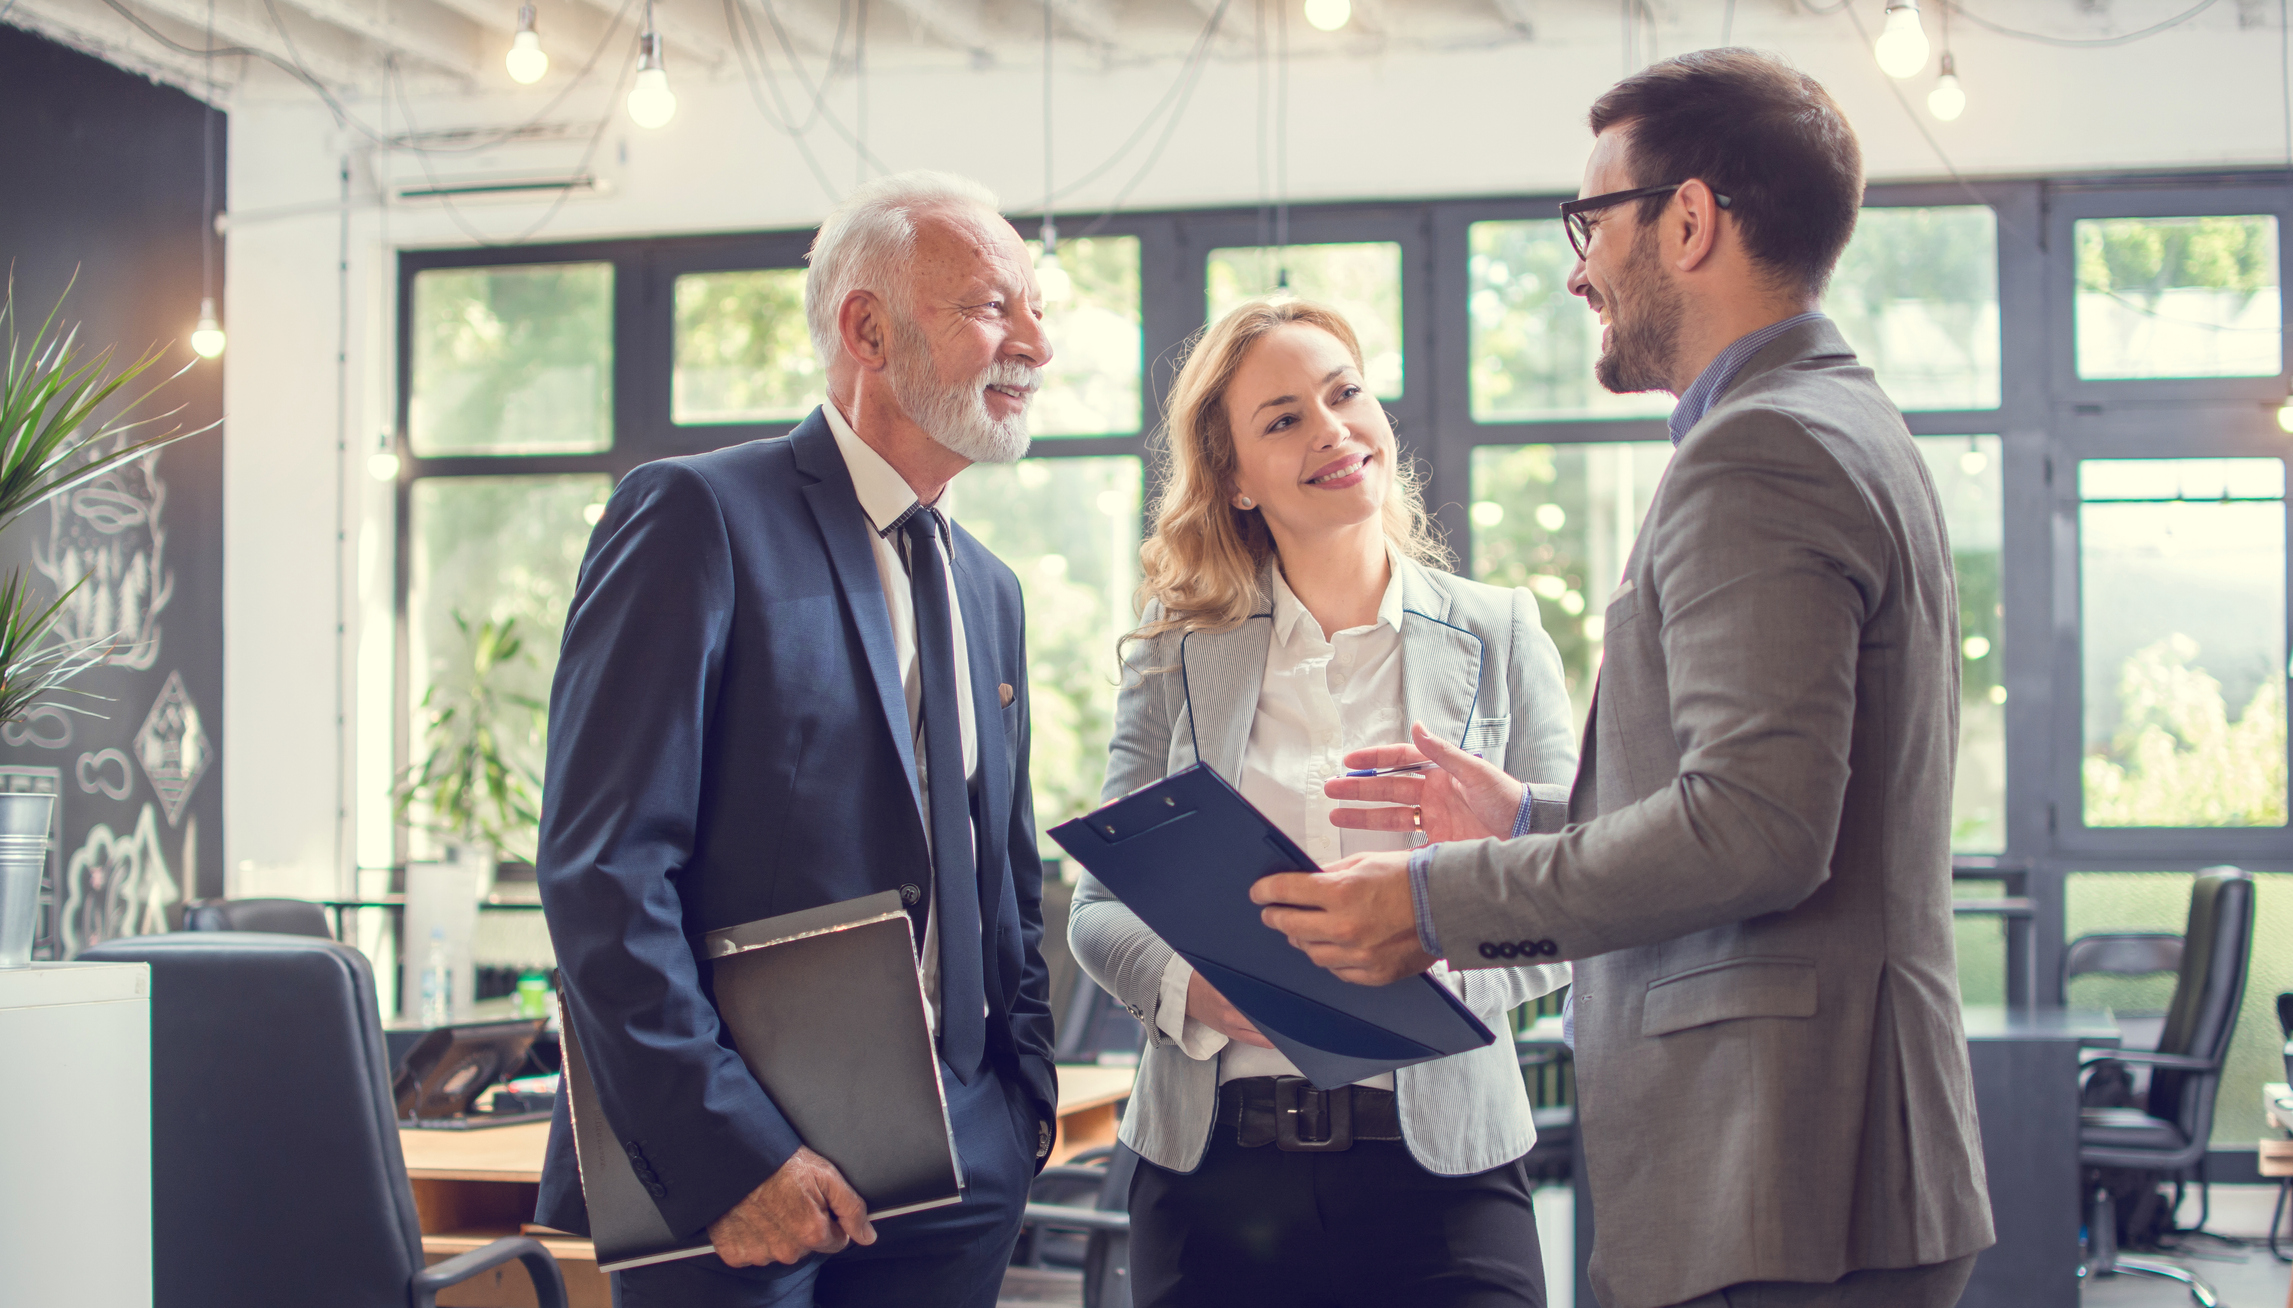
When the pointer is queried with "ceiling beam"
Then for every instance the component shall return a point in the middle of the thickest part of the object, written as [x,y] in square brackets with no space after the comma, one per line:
[691,39]
[94,30]
[1517,16]
[417,31]
[955,23]
[332,55]
[1089,20]
[1233,30]
[806,28]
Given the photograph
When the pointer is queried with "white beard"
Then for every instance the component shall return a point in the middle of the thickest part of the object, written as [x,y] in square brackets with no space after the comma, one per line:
[957,416]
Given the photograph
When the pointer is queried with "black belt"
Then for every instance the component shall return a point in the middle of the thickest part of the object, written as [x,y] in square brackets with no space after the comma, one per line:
[1289,1113]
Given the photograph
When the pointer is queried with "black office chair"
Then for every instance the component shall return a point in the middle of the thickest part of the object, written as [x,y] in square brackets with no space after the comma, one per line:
[1105,1225]
[2170,1133]
[291,917]
[275,1171]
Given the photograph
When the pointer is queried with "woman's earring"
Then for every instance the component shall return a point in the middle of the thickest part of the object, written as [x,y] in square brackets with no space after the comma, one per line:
[1246,502]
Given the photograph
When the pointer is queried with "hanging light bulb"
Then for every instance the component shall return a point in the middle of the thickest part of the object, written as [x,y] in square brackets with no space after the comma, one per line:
[1329,15]
[1902,46]
[1974,461]
[2285,416]
[382,466]
[207,337]
[1054,280]
[651,103]
[527,60]
[1948,100]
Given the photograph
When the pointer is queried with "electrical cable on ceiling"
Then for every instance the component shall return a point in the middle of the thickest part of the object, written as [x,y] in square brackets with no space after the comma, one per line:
[1180,90]
[860,93]
[2077,42]
[1727,22]
[1258,104]
[1281,145]
[819,90]
[1895,88]
[736,18]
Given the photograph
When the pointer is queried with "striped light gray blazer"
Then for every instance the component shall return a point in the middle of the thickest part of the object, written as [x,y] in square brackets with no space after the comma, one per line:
[1478,668]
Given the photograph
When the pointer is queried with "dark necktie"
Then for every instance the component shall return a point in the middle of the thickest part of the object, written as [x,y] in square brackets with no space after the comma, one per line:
[955,882]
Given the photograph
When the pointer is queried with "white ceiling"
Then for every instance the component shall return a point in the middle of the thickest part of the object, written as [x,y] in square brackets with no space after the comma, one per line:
[374,48]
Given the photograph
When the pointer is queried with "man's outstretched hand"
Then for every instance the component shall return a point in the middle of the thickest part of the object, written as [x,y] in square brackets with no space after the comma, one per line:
[805,1207]
[1465,798]
[1355,918]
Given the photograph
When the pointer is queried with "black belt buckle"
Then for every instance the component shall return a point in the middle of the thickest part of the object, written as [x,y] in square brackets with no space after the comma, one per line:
[1311,1121]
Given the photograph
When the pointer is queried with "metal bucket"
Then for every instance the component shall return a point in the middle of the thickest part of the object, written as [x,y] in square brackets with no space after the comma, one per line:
[24,822]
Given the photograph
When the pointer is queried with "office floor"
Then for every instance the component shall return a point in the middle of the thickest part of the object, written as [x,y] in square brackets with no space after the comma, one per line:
[2243,1277]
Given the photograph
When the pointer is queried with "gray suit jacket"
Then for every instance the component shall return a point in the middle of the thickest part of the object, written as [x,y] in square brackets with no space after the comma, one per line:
[1476,667]
[1771,1068]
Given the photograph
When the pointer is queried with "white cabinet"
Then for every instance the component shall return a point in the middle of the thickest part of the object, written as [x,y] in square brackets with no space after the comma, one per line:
[75,1135]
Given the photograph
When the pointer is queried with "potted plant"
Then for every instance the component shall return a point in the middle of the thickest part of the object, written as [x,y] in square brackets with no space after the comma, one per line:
[471,788]
[51,440]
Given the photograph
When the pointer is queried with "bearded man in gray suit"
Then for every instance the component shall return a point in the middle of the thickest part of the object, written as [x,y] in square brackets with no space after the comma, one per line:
[1755,881]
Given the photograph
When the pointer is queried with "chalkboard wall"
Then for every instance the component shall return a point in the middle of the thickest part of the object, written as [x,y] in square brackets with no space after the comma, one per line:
[104,175]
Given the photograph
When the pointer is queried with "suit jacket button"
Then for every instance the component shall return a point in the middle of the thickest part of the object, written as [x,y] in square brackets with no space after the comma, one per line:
[1488,950]
[911,894]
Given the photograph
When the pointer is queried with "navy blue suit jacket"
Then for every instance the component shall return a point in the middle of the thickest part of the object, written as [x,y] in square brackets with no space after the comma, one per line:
[728,741]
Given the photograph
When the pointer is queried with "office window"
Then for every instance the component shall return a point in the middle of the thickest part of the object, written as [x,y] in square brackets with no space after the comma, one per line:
[743,352]
[1070,529]
[1560,520]
[2159,901]
[1093,385]
[512,360]
[1532,344]
[2182,618]
[2178,297]
[1981,944]
[1970,480]
[1916,294]
[1360,280]
[490,549]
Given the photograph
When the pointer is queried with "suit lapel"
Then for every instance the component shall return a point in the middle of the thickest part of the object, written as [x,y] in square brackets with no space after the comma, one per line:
[1440,663]
[1223,671]
[844,528]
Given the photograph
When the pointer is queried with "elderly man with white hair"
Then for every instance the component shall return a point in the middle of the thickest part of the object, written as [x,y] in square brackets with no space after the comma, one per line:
[788,680]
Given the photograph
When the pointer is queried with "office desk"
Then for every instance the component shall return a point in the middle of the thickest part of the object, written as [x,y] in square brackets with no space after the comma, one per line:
[474,1186]
[2025,1064]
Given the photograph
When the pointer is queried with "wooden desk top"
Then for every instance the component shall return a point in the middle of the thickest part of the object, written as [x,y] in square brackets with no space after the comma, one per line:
[514,1153]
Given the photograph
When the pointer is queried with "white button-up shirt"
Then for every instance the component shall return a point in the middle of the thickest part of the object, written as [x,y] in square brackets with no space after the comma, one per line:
[884,495]
[1322,697]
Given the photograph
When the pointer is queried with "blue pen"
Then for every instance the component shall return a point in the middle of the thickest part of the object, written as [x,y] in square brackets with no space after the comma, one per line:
[1387,772]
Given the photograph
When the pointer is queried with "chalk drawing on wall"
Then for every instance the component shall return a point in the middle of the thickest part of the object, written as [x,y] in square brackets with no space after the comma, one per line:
[117,886]
[47,726]
[173,747]
[106,537]
[94,773]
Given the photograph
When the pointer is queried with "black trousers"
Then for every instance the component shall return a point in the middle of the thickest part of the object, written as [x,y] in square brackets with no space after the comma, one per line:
[1367,1226]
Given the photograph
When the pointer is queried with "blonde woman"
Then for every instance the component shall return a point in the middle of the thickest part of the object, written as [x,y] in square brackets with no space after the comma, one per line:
[1295,614]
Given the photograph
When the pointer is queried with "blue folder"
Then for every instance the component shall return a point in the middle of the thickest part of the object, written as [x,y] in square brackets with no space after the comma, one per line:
[1183,854]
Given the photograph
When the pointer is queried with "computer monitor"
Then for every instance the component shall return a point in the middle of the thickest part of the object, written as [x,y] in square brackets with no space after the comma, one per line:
[449,1067]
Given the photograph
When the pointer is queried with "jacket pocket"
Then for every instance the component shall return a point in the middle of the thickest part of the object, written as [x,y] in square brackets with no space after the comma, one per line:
[1723,992]
[1487,736]
[1623,606]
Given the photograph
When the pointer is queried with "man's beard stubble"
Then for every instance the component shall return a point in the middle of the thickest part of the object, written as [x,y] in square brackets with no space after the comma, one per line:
[957,416]
[1643,339]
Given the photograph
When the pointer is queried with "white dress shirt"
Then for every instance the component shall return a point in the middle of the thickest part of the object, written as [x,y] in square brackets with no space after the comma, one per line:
[885,495]
[1322,697]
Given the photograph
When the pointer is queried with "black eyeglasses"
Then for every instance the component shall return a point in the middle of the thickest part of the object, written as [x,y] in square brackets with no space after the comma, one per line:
[1580,227]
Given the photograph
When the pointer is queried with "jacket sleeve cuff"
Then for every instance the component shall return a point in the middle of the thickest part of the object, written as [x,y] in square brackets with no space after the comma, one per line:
[1421,864]
[1196,1040]
[1525,817]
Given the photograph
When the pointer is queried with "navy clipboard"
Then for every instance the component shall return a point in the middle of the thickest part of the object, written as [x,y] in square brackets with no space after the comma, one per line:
[1183,854]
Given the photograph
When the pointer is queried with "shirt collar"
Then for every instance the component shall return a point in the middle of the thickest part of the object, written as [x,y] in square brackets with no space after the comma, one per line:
[885,495]
[1289,610]
[1706,390]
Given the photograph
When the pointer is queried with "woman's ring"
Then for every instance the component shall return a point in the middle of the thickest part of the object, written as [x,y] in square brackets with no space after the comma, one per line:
[1417,818]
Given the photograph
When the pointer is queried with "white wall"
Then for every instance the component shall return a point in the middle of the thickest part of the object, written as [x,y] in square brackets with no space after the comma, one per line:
[1416,124]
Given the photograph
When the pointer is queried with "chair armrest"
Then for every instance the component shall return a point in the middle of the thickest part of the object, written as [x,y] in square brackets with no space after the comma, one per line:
[2178,1062]
[1075,1219]
[548,1282]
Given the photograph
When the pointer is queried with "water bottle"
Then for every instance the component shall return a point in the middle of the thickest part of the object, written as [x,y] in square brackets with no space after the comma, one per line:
[437,982]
